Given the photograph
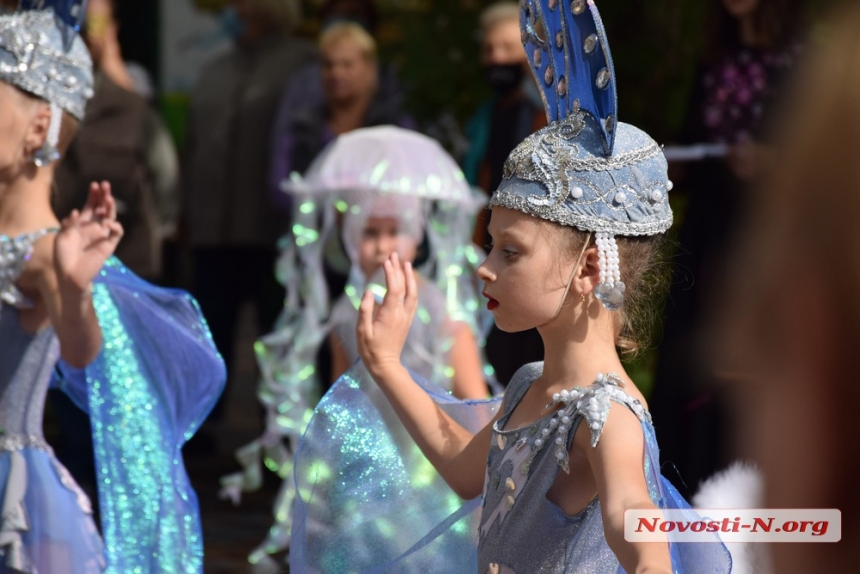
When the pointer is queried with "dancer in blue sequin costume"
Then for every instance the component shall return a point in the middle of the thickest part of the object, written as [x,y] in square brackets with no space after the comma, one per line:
[138,359]
[576,226]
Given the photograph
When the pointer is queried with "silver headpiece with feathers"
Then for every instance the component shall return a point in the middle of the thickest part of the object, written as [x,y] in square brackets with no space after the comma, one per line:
[585,169]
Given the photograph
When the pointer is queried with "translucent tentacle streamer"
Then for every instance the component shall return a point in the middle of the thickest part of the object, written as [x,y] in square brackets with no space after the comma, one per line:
[289,383]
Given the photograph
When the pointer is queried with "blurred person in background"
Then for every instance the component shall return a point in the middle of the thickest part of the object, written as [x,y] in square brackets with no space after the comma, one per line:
[752,47]
[352,94]
[102,33]
[352,97]
[305,97]
[513,112]
[123,140]
[230,225]
[790,315]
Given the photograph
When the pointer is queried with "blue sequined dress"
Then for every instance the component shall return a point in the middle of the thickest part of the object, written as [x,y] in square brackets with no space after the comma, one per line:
[35,489]
[522,531]
[146,393]
[370,502]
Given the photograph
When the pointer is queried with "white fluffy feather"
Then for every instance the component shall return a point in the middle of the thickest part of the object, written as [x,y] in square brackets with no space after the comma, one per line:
[739,486]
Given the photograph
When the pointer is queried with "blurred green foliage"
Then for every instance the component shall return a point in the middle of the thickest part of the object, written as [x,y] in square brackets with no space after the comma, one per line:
[655,46]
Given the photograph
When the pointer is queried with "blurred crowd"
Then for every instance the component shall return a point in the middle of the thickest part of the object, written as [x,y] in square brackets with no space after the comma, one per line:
[262,111]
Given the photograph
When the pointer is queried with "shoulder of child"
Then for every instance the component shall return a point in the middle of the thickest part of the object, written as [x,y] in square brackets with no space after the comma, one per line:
[595,403]
[520,383]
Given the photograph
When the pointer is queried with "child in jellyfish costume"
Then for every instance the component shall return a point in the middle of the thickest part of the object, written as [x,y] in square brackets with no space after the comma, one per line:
[372,192]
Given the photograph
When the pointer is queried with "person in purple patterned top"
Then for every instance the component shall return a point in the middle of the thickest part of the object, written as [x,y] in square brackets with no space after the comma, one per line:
[752,48]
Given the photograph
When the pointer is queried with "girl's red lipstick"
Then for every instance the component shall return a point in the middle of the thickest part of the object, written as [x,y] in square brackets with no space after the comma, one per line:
[492,303]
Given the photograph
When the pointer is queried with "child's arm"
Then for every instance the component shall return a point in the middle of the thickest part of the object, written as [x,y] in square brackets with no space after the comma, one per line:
[458,455]
[466,361]
[617,464]
[85,241]
[339,359]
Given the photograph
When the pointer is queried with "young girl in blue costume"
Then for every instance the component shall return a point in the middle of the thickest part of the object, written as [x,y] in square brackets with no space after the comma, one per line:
[137,358]
[571,447]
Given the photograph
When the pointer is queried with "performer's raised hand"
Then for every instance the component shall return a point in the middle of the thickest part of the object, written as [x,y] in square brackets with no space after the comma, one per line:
[87,238]
[382,329]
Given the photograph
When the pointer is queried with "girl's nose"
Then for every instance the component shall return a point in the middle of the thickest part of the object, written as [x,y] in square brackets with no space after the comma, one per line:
[386,245]
[484,274]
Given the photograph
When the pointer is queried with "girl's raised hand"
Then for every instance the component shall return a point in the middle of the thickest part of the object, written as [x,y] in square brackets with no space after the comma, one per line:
[87,238]
[381,330]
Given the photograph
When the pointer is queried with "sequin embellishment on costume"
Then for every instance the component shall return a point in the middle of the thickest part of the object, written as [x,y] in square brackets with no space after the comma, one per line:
[591,404]
[14,254]
[46,59]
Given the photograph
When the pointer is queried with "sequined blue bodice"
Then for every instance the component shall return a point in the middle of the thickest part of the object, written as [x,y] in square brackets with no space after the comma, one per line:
[26,361]
[521,531]
[26,364]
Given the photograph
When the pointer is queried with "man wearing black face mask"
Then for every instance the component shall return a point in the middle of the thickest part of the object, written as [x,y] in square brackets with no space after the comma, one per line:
[514,112]
[515,109]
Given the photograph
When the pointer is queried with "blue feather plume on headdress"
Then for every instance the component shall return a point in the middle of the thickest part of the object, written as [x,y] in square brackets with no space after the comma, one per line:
[569,55]
[70,12]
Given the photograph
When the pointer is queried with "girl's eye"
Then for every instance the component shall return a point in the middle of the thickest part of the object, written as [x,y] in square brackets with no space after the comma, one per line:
[506,253]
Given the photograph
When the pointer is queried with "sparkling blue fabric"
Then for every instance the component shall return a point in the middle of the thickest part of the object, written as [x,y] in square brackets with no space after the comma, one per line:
[522,531]
[156,379]
[370,502]
[46,522]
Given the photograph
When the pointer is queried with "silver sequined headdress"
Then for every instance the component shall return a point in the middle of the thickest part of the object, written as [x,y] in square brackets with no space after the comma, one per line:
[42,54]
[585,169]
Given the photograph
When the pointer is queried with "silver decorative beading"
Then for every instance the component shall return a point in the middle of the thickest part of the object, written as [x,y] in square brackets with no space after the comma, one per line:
[561,174]
[33,57]
[14,254]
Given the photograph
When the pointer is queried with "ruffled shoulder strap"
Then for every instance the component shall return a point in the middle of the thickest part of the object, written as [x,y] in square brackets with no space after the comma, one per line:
[581,404]
[592,403]
[14,254]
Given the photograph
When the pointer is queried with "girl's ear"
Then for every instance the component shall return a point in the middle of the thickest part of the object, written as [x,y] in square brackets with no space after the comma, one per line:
[589,270]
[37,130]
